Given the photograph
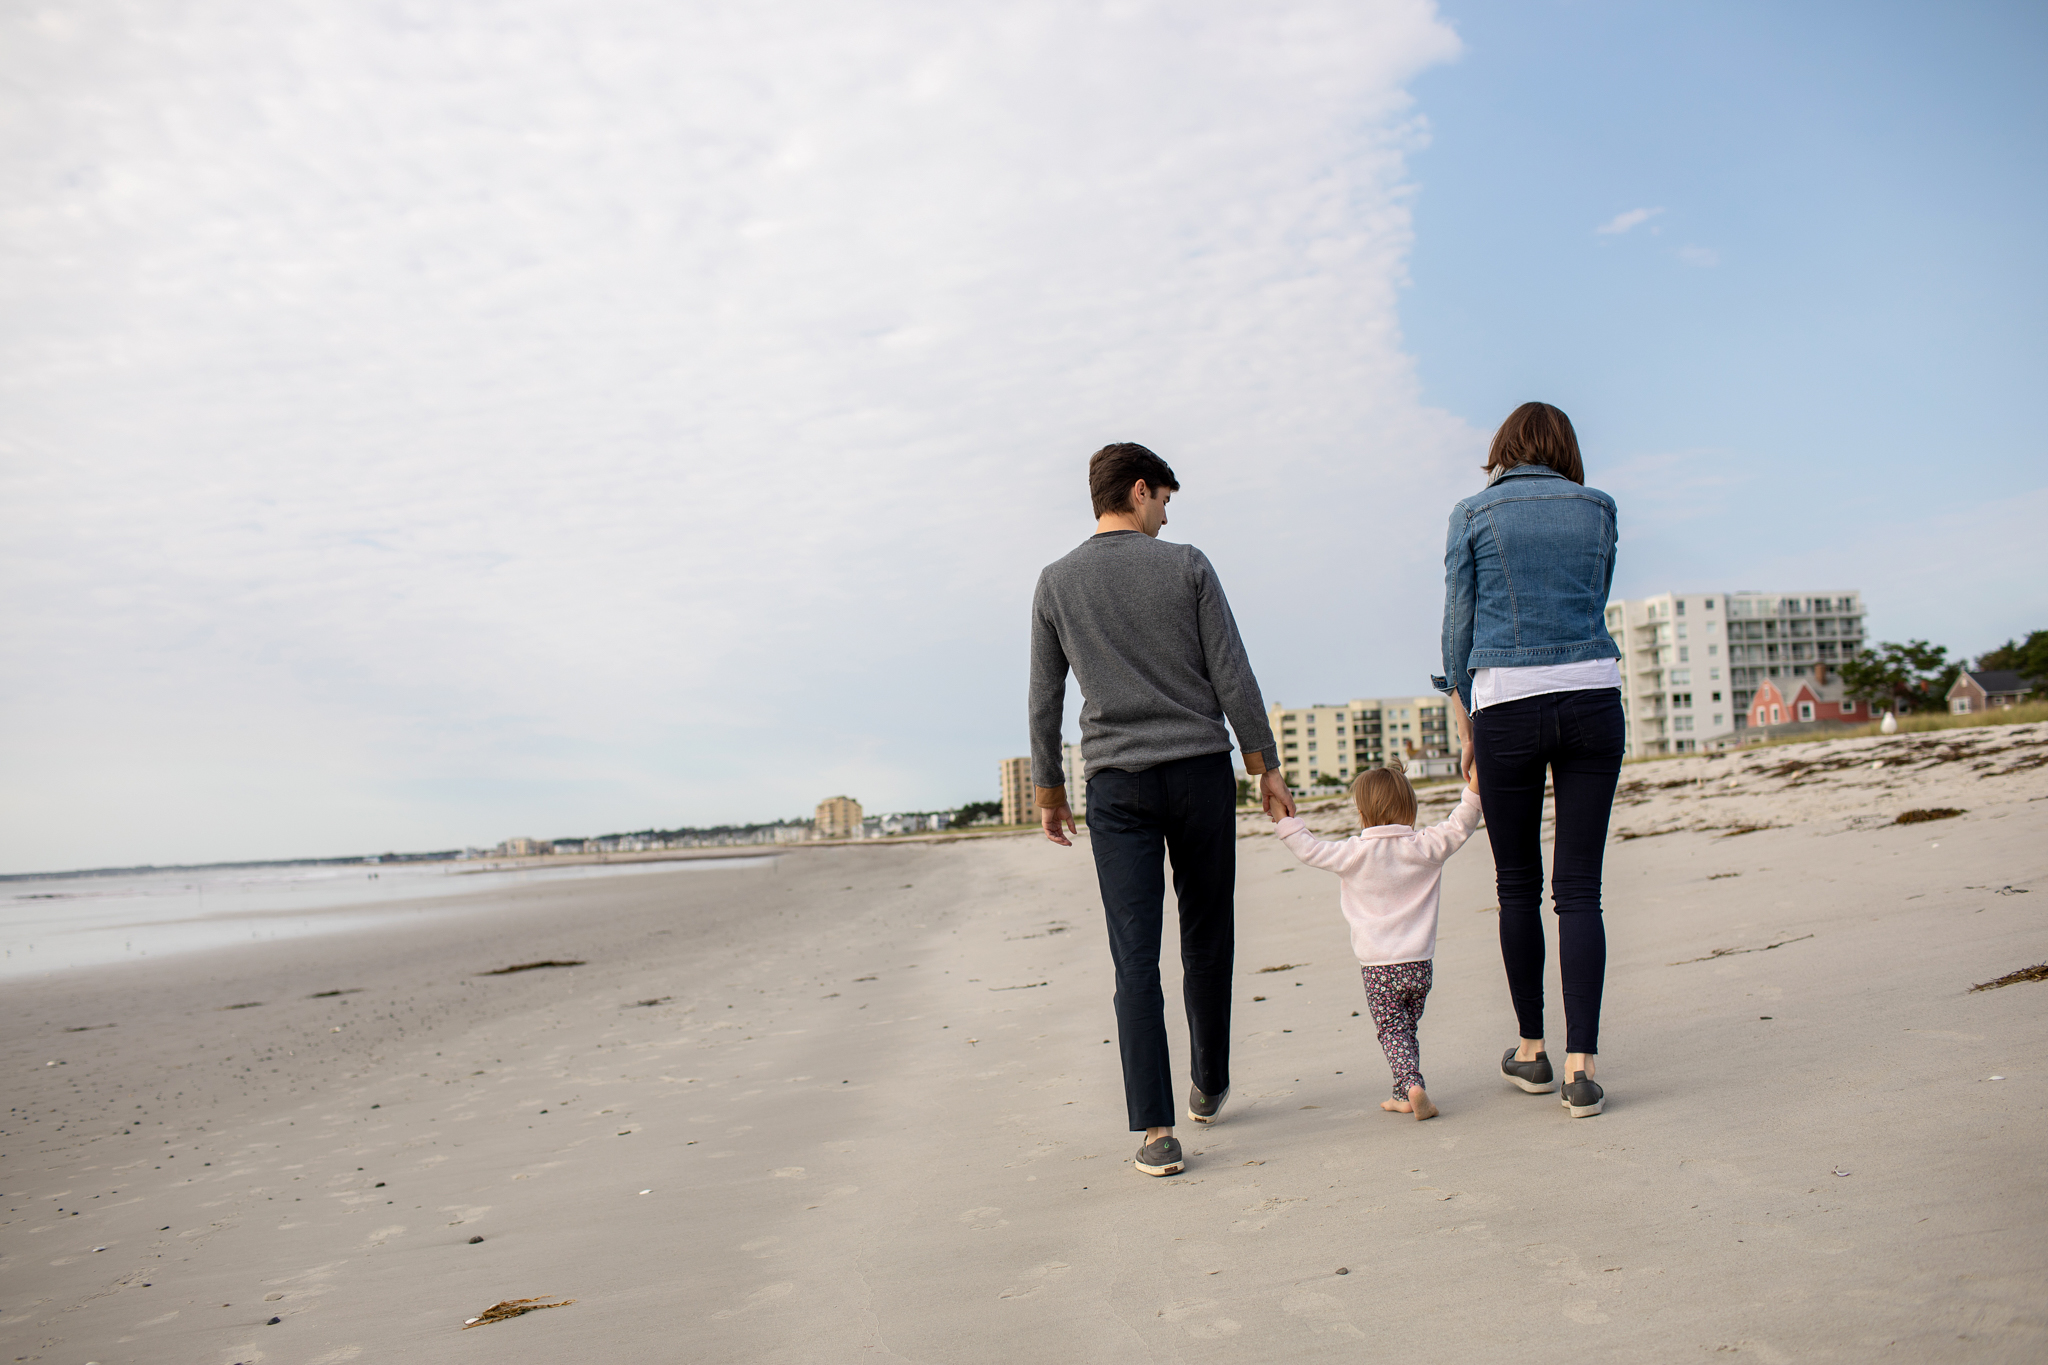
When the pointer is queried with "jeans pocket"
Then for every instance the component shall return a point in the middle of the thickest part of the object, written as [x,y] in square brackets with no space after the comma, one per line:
[1594,724]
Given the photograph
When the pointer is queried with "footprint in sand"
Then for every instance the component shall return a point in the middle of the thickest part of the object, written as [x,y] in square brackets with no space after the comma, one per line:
[984,1220]
[1334,1318]
[1203,1327]
[767,1293]
[1035,1279]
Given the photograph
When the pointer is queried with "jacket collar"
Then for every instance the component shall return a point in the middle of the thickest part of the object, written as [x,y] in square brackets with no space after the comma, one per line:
[1529,471]
[1385,831]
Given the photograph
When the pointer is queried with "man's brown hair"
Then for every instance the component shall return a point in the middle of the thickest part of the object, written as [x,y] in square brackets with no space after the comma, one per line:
[1384,797]
[1537,433]
[1113,470]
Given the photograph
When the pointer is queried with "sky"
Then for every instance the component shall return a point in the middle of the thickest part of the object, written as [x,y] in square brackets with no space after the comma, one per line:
[428,422]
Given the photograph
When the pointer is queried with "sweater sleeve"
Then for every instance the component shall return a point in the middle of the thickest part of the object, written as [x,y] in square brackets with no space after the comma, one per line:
[1048,701]
[1440,841]
[1293,832]
[1230,672]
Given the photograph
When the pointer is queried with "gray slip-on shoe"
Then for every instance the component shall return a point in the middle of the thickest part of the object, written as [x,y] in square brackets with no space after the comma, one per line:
[1582,1098]
[1533,1076]
[1203,1108]
[1161,1157]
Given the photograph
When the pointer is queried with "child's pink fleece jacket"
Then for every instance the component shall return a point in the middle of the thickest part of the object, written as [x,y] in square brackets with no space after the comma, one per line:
[1389,877]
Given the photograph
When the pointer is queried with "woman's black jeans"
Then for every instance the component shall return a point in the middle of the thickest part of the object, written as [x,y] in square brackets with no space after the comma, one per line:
[1187,809]
[1578,737]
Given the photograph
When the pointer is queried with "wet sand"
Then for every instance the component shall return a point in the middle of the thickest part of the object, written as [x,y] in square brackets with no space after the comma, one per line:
[867,1112]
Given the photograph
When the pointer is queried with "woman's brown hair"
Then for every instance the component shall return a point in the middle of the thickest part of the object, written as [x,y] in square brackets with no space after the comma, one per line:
[1384,797]
[1537,433]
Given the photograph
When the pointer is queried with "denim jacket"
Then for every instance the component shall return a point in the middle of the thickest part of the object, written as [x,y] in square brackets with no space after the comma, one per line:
[1526,573]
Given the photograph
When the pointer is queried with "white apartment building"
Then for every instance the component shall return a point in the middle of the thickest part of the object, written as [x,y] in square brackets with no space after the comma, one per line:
[1690,661]
[1020,793]
[1328,743]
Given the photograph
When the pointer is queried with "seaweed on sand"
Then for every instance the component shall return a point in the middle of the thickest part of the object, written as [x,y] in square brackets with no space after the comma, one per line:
[512,1308]
[534,966]
[2037,972]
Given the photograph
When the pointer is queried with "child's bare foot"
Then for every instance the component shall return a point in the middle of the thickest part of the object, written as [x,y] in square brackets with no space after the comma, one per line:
[1397,1106]
[1418,1101]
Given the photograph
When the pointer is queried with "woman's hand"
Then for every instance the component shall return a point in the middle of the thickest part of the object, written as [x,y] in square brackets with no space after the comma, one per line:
[1468,757]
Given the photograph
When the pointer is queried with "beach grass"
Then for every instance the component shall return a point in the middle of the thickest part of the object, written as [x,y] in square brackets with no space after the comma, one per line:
[1921,723]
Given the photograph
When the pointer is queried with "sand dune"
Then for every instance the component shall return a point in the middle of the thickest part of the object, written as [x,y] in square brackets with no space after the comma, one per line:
[857,1105]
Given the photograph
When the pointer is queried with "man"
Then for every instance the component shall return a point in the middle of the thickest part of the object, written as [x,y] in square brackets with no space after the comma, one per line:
[1145,627]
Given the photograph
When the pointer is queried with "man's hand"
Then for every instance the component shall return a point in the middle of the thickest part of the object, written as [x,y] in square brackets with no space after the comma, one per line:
[1274,796]
[1052,817]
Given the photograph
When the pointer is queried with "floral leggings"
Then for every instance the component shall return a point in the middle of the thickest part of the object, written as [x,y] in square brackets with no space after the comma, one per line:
[1396,993]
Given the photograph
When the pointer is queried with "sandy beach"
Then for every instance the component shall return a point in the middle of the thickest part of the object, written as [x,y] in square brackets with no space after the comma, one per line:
[856,1104]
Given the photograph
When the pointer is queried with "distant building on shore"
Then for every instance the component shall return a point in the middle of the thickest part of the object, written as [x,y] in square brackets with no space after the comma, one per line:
[1329,744]
[1016,792]
[1986,691]
[839,817]
[521,848]
[1019,794]
[1801,705]
[913,822]
[1691,663]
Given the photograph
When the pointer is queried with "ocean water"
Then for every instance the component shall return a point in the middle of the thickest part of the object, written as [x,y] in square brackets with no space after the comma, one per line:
[59,923]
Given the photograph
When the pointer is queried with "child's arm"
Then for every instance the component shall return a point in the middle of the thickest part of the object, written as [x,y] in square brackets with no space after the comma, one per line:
[1444,839]
[1315,852]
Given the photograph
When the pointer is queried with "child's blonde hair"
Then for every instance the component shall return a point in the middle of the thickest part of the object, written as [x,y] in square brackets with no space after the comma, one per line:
[1384,796]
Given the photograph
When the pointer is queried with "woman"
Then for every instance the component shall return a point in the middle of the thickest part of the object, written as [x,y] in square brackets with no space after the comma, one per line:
[1535,685]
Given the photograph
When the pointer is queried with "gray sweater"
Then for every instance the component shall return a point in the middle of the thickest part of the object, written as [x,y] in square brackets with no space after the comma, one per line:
[1145,627]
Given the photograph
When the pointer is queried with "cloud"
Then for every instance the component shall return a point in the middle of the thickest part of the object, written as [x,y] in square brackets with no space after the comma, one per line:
[422,425]
[1699,257]
[1622,222]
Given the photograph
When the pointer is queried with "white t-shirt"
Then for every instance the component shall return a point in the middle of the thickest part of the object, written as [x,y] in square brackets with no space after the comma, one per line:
[1492,686]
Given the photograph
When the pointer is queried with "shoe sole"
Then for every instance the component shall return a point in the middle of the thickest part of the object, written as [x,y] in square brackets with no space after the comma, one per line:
[1585,1111]
[1533,1087]
[1175,1169]
[1213,1116]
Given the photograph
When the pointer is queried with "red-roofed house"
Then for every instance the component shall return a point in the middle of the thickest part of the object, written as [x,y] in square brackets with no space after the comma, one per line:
[1806,701]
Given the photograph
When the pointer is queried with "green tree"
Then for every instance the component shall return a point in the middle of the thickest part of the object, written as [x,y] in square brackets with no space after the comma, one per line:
[978,810]
[2028,658]
[1914,676]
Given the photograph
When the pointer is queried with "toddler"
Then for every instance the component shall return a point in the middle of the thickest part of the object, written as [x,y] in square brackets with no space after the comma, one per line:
[1389,875]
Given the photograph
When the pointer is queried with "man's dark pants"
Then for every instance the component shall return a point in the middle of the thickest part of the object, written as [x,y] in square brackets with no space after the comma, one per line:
[1186,810]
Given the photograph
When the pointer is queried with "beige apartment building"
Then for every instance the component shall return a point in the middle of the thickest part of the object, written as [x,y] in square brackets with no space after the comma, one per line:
[1020,793]
[1328,744]
[839,817]
[1690,662]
